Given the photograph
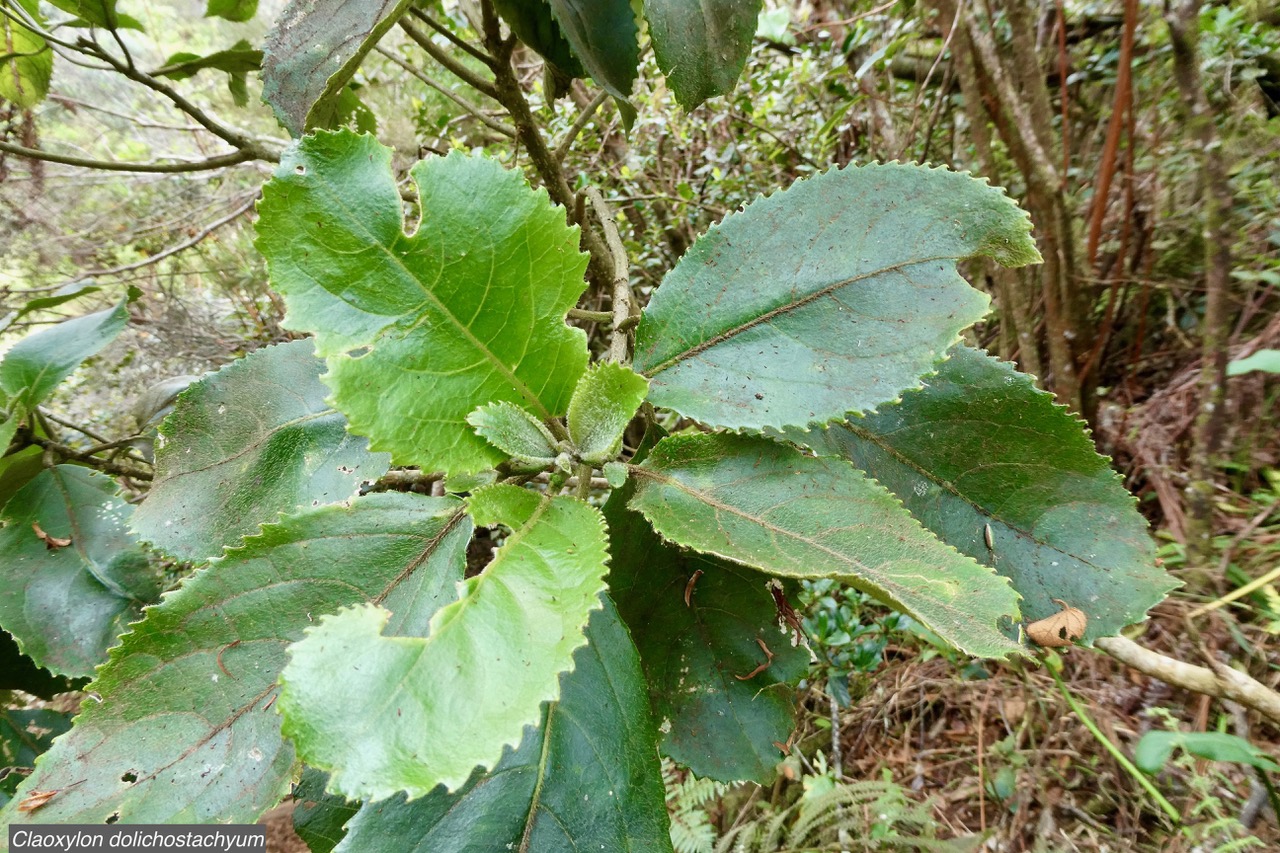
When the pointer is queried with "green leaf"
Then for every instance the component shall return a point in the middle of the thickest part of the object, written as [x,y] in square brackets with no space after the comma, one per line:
[381,713]
[319,817]
[701,47]
[97,13]
[1155,748]
[605,401]
[313,51]
[587,778]
[65,604]
[980,447]
[516,433]
[26,60]
[243,445]
[1266,360]
[241,58]
[830,297]
[533,24]
[66,293]
[35,365]
[718,725]
[232,10]
[766,505]
[186,731]
[466,311]
[604,36]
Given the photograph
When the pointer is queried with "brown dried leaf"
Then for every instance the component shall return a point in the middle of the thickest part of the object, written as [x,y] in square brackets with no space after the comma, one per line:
[1060,629]
[36,799]
[50,542]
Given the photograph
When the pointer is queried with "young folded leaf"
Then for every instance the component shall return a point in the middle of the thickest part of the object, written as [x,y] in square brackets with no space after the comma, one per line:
[604,402]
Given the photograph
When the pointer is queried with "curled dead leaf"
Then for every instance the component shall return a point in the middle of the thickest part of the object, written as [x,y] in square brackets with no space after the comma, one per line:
[50,542]
[36,799]
[1060,629]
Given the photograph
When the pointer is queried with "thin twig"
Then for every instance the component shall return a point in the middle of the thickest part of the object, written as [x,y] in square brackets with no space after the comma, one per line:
[173,250]
[451,36]
[499,127]
[578,124]
[107,465]
[450,64]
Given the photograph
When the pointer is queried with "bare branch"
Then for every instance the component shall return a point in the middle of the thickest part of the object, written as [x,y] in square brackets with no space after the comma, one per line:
[619,339]
[1221,681]
[492,124]
[578,124]
[218,162]
[451,36]
[450,64]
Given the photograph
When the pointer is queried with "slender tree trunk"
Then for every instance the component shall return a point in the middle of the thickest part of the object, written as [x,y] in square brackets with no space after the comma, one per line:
[1183,19]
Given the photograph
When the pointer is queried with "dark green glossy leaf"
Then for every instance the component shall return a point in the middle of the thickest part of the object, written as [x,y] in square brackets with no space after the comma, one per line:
[97,13]
[243,445]
[65,604]
[313,51]
[716,723]
[980,447]
[533,24]
[832,296]
[186,731]
[25,735]
[420,330]
[766,505]
[319,817]
[603,36]
[381,713]
[26,60]
[586,778]
[701,47]
[232,10]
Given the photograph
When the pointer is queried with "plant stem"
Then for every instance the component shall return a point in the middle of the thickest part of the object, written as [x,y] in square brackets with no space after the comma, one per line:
[1110,747]
[217,162]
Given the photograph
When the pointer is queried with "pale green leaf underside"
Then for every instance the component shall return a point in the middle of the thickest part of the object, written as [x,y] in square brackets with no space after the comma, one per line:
[314,49]
[605,401]
[515,432]
[35,365]
[245,445]
[587,778]
[27,66]
[766,505]
[830,297]
[980,446]
[701,47]
[66,606]
[402,713]
[186,731]
[420,330]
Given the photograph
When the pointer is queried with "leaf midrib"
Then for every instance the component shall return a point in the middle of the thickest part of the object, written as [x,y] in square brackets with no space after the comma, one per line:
[785,308]
[357,227]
